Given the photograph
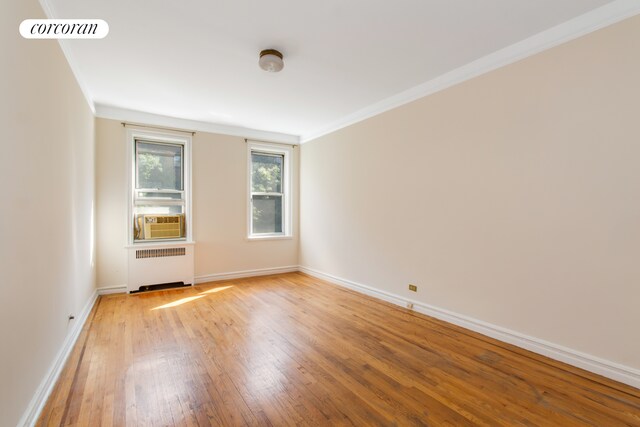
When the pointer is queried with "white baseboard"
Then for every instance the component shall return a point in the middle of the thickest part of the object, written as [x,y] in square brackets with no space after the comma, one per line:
[107,290]
[31,414]
[606,368]
[612,370]
[246,273]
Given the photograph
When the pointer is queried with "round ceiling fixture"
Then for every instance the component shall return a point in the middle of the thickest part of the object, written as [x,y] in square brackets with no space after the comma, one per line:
[271,60]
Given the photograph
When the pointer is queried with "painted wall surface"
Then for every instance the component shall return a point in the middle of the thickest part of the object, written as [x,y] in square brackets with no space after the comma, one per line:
[47,174]
[219,199]
[512,198]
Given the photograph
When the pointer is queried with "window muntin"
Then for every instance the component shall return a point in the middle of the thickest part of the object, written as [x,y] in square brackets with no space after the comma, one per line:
[159,195]
[268,191]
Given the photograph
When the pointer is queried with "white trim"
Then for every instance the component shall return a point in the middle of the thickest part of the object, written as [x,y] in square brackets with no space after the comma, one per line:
[159,243]
[594,20]
[134,133]
[117,113]
[615,371]
[260,238]
[108,290]
[584,24]
[40,397]
[606,368]
[358,287]
[66,51]
[287,194]
[246,273]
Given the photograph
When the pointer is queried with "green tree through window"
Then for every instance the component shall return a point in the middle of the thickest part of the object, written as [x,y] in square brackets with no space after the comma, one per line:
[267,194]
[159,166]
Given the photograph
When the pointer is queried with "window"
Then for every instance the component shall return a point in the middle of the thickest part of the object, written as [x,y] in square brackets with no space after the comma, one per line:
[269,198]
[159,167]
[160,197]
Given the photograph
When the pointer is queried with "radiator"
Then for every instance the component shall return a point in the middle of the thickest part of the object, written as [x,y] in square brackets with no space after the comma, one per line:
[160,264]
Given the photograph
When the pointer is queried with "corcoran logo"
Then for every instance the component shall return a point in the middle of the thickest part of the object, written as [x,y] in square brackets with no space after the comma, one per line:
[64,28]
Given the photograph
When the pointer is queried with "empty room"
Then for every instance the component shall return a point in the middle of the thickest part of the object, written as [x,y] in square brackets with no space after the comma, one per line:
[365,213]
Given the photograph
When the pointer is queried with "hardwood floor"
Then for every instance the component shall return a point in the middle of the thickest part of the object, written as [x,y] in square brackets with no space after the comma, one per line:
[293,350]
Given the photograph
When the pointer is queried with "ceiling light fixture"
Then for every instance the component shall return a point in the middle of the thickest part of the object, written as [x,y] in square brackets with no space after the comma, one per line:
[271,60]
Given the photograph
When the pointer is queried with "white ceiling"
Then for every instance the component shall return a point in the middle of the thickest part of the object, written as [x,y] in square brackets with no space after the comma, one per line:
[198,59]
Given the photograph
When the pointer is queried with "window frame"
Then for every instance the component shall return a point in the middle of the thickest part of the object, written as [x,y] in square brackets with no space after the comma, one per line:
[279,150]
[160,137]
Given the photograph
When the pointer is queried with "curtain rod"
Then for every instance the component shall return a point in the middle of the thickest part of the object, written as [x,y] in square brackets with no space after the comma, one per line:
[246,140]
[125,124]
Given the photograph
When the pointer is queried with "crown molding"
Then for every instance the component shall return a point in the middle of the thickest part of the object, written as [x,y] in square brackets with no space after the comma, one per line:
[596,19]
[140,117]
[73,64]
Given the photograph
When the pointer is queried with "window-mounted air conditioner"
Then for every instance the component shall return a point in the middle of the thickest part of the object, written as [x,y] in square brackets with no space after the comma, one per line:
[152,227]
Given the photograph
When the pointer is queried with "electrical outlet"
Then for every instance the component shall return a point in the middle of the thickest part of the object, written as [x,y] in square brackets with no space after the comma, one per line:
[413,288]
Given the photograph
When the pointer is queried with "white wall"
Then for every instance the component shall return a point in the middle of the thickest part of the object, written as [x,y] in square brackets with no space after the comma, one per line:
[512,198]
[47,174]
[219,208]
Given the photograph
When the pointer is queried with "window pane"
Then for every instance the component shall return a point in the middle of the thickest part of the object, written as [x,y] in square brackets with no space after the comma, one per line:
[266,173]
[267,214]
[158,166]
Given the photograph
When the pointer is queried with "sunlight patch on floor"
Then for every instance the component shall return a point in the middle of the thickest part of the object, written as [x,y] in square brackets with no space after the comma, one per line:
[213,290]
[189,299]
[178,302]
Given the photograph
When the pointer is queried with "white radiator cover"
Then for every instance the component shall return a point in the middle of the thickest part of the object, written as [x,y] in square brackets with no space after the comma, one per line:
[154,264]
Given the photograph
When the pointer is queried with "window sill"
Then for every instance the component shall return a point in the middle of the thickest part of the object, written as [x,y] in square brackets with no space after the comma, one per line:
[270,237]
[142,245]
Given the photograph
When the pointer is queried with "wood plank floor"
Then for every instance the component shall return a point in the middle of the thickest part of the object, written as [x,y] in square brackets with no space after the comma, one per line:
[293,350]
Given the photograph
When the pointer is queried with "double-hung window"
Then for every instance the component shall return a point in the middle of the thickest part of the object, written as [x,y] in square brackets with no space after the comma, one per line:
[159,187]
[269,191]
